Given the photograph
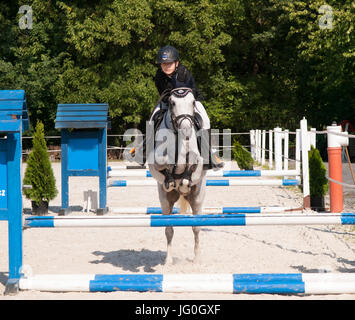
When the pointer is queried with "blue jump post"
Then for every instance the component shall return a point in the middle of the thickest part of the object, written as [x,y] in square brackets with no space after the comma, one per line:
[83,147]
[13,121]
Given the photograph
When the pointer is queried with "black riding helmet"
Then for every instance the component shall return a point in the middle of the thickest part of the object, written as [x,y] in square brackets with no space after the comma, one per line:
[167,54]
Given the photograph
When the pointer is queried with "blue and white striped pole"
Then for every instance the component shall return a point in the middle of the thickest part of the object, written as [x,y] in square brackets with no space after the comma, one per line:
[215,183]
[190,220]
[273,283]
[210,173]
[207,210]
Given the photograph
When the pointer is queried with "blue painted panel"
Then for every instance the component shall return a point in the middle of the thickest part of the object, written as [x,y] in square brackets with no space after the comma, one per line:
[90,115]
[83,173]
[157,210]
[10,125]
[3,214]
[269,287]
[40,222]
[119,183]
[129,282]
[273,283]
[83,150]
[268,277]
[290,182]
[217,183]
[198,220]
[3,174]
[83,107]
[12,94]
[12,107]
[14,204]
[12,102]
[241,210]
[241,173]
[83,117]
[81,124]
[348,218]
[102,113]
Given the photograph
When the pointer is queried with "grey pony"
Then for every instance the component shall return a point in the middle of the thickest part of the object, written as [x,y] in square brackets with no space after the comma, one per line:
[176,153]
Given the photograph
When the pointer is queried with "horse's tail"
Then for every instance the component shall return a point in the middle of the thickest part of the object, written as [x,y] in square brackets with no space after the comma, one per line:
[184,205]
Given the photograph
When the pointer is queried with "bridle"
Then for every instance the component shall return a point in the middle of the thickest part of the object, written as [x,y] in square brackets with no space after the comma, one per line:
[177,120]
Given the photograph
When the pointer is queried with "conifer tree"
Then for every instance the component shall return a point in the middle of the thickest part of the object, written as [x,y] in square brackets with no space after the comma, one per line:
[39,172]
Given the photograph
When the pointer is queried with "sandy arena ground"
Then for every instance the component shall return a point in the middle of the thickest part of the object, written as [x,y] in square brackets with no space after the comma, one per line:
[259,249]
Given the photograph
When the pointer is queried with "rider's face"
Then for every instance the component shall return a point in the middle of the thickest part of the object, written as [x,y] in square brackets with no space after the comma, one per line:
[169,67]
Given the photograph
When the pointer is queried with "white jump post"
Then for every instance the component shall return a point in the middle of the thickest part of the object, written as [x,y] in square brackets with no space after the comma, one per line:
[257,138]
[270,150]
[90,200]
[312,138]
[263,147]
[278,148]
[286,136]
[305,147]
[252,143]
[298,150]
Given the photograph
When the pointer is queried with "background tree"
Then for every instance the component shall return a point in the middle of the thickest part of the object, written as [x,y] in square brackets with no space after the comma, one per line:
[259,64]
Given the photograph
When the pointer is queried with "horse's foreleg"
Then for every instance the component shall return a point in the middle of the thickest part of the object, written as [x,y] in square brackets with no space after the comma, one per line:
[169,233]
[196,202]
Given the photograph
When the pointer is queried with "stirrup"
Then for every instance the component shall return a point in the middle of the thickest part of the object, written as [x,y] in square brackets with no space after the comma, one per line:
[214,164]
[218,164]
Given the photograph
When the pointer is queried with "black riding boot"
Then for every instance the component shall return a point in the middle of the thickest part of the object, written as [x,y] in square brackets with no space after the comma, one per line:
[213,161]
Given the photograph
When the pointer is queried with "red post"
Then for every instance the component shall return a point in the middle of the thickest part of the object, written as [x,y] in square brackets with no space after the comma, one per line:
[336,140]
[335,172]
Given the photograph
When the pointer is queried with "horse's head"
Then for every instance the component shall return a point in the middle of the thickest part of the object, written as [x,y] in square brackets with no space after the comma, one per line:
[186,166]
[182,110]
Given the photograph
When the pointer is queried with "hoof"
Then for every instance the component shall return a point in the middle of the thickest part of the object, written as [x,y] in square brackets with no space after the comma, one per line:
[197,259]
[169,261]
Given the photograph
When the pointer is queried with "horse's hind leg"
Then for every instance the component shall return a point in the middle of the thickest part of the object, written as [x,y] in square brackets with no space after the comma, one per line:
[196,209]
[196,231]
[169,233]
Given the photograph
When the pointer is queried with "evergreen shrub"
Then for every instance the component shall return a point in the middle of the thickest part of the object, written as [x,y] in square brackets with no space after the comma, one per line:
[242,156]
[318,182]
[39,173]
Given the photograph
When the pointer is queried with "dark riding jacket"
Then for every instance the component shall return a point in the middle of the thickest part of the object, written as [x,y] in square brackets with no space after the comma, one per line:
[181,77]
